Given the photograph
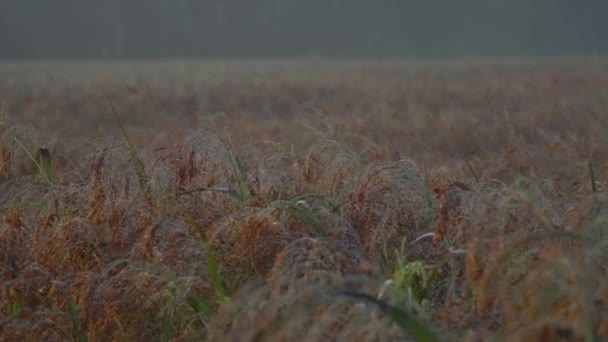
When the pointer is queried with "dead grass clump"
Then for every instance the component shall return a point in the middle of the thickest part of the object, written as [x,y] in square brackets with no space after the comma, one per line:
[37,324]
[316,219]
[207,164]
[451,209]
[115,199]
[5,159]
[552,301]
[170,245]
[142,173]
[123,227]
[311,259]
[28,290]
[13,244]
[272,173]
[118,178]
[485,250]
[246,243]
[310,310]
[311,215]
[531,268]
[390,203]
[161,180]
[331,167]
[258,241]
[97,197]
[18,145]
[125,302]
[67,247]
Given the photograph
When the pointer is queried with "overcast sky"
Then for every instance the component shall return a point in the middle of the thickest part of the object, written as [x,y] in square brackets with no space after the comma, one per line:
[150,29]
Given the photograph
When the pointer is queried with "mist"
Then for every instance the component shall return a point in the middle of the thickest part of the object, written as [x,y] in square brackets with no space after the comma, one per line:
[160,29]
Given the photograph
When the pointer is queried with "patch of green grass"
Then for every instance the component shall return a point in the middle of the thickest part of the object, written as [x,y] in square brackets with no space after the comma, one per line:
[75,318]
[212,264]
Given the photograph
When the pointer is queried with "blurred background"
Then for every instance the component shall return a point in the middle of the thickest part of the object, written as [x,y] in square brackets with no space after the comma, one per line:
[159,29]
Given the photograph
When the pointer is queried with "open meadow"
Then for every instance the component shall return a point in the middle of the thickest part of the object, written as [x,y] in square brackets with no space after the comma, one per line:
[314,201]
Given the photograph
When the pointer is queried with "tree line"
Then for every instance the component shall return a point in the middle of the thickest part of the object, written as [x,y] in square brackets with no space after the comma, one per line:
[40,29]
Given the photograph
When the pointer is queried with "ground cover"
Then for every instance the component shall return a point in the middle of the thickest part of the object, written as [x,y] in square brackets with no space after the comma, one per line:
[304,201]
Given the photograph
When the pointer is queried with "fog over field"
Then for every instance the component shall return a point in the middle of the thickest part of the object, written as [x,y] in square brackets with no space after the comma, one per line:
[152,29]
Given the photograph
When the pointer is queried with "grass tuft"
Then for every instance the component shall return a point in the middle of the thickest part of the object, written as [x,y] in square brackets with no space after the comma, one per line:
[140,170]
[416,328]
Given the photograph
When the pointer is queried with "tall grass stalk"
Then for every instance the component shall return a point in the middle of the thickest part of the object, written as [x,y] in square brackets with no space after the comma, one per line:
[472,171]
[508,251]
[507,117]
[75,318]
[43,164]
[519,142]
[236,166]
[140,170]
[592,176]
[212,264]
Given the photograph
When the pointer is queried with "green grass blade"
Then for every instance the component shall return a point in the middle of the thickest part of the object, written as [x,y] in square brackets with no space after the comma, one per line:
[236,167]
[212,265]
[167,327]
[307,216]
[15,306]
[42,164]
[200,230]
[199,305]
[592,175]
[75,318]
[140,170]
[214,273]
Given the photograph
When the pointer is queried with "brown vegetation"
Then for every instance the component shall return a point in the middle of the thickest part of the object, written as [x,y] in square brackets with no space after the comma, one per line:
[297,202]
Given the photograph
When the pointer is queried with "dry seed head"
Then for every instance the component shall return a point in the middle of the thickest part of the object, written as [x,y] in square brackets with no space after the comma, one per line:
[5,159]
[97,198]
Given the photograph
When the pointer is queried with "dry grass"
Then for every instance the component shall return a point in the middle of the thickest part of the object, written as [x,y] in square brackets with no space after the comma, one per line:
[281,202]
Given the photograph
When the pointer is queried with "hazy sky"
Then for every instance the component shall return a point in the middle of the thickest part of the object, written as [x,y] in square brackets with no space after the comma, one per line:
[75,29]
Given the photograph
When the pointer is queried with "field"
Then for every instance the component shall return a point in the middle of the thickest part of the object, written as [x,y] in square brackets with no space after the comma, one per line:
[284,200]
